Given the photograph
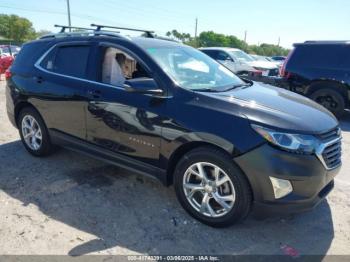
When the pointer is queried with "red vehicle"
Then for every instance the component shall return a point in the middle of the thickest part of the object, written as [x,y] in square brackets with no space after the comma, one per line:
[7,54]
[5,62]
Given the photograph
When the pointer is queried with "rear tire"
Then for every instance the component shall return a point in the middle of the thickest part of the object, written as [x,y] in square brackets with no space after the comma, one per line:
[33,132]
[331,99]
[212,201]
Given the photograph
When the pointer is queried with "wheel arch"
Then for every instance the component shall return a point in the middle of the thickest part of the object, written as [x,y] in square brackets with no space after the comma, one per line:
[19,107]
[330,84]
[184,148]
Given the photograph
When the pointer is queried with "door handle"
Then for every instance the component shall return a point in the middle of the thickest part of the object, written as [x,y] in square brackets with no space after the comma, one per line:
[94,93]
[38,79]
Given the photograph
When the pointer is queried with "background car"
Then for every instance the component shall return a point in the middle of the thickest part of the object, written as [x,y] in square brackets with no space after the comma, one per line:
[268,59]
[321,71]
[5,63]
[9,50]
[240,62]
[278,58]
[7,55]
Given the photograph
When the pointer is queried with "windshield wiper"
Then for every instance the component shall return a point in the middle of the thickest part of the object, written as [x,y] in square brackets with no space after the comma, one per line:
[236,86]
[205,90]
[222,90]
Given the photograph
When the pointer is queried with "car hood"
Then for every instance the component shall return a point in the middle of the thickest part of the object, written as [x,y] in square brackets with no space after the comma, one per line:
[278,108]
[262,64]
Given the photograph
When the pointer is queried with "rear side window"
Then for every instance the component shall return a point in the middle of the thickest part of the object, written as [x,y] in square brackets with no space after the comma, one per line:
[68,60]
[321,56]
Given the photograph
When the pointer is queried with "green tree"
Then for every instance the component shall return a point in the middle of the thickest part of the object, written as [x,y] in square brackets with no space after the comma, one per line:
[210,38]
[42,33]
[183,37]
[16,28]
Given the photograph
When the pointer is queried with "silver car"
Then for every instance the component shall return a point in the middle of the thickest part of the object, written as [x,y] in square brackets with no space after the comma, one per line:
[240,62]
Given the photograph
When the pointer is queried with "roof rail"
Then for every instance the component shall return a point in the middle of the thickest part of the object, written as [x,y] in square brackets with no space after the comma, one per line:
[149,33]
[84,31]
[64,27]
[327,42]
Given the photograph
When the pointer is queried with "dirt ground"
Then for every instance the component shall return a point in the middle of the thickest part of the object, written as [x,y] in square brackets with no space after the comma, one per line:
[71,204]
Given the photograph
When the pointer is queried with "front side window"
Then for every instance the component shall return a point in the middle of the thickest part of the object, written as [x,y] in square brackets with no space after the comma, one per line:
[118,66]
[223,56]
[67,60]
[192,69]
[212,53]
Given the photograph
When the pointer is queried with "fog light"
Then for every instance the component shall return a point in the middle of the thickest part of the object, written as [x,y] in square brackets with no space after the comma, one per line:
[281,187]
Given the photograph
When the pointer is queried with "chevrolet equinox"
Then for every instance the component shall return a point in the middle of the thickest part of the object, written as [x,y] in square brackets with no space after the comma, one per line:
[160,108]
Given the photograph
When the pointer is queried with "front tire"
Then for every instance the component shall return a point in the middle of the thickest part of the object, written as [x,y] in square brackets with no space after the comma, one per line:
[330,99]
[211,188]
[33,132]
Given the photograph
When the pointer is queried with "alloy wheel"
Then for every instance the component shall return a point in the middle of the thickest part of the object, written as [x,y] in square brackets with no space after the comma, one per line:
[327,101]
[209,189]
[31,132]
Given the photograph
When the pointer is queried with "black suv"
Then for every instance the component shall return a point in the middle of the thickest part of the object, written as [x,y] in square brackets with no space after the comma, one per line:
[167,110]
[321,71]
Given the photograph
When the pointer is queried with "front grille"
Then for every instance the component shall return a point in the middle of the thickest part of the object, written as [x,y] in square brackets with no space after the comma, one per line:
[331,153]
[273,72]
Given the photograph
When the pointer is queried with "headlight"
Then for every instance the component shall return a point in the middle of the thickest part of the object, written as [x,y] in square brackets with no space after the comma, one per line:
[301,144]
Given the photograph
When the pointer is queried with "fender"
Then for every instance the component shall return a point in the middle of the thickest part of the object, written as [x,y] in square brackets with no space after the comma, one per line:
[188,141]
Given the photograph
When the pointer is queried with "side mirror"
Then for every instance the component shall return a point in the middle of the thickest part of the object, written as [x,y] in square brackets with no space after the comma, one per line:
[143,86]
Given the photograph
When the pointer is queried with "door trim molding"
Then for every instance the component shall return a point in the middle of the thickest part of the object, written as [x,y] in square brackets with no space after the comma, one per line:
[108,156]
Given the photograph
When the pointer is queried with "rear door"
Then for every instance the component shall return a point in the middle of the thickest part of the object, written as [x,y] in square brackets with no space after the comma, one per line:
[62,80]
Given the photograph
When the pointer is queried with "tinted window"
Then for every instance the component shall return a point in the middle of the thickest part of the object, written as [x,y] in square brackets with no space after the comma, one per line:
[29,55]
[223,56]
[321,56]
[278,58]
[48,60]
[72,60]
[68,60]
[211,53]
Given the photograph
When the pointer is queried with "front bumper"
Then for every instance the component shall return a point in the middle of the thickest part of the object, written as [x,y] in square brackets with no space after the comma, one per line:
[311,182]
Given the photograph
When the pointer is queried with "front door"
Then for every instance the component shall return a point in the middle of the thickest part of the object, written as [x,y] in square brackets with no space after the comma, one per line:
[124,122]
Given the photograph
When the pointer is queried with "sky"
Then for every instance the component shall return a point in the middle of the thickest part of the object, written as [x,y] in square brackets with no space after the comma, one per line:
[264,20]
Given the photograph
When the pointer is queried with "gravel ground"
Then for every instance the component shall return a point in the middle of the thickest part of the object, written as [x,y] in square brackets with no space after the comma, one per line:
[71,204]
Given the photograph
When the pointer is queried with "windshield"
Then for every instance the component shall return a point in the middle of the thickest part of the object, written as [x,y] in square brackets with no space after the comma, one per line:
[192,69]
[240,55]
